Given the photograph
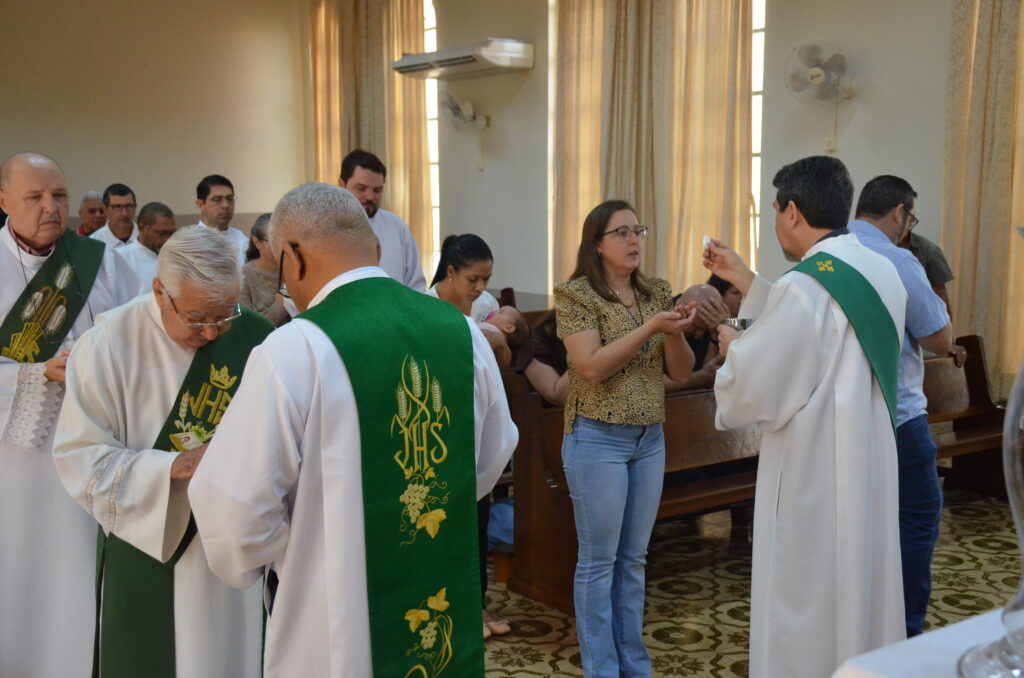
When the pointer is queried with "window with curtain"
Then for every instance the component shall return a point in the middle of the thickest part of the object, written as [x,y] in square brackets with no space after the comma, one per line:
[653,105]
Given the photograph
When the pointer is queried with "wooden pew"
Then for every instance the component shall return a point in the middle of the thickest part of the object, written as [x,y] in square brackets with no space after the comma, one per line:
[545,534]
[962,396]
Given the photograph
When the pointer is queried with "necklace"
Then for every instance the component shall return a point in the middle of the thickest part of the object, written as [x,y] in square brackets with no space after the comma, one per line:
[638,319]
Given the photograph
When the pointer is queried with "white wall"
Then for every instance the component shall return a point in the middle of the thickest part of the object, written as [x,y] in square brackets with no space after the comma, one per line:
[899,54]
[507,202]
[157,95]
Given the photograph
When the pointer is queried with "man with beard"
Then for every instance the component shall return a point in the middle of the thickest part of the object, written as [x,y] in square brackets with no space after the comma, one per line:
[363,175]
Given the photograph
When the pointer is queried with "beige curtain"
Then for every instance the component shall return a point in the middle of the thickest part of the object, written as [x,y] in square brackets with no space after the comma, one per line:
[359,102]
[653,106]
[984,169]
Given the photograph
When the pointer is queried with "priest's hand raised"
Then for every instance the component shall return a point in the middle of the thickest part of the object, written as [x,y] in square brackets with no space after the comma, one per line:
[724,262]
[185,464]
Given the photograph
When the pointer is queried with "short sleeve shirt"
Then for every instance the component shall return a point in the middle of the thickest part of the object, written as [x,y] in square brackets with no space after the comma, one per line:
[931,257]
[926,315]
[636,393]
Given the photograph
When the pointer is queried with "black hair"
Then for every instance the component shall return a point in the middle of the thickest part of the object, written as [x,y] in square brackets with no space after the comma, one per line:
[719,284]
[258,231]
[364,159]
[118,190]
[151,211]
[820,187]
[459,251]
[883,193]
[204,186]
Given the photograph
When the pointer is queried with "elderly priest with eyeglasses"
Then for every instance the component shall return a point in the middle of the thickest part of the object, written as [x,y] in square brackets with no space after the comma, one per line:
[53,282]
[146,391]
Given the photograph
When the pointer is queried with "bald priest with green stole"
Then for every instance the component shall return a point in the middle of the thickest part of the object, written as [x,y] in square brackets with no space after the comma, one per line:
[53,283]
[146,390]
[816,373]
[351,461]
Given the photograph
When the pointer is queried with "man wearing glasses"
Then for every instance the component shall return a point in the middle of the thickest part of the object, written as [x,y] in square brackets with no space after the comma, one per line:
[119,204]
[146,391]
[885,216]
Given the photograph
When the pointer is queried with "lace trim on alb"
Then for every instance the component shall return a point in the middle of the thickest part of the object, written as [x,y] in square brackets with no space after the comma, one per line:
[34,411]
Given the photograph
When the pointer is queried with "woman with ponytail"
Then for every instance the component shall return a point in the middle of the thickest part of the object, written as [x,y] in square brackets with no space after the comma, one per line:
[463,274]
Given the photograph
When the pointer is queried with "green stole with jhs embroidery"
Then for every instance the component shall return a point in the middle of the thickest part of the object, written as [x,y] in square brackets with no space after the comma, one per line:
[43,315]
[410,361]
[134,591]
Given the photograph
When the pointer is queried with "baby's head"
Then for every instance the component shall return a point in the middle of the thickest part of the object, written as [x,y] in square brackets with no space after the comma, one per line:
[511,322]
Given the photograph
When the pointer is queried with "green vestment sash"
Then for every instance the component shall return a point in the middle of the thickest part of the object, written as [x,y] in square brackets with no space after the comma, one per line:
[134,591]
[43,315]
[410,360]
[868,315]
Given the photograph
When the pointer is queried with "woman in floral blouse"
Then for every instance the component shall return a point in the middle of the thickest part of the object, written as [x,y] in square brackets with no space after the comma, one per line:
[622,335]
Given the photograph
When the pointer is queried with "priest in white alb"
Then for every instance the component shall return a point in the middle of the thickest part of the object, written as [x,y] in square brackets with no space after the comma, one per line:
[816,373]
[156,225]
[53,283]
[146,390]
[351,461]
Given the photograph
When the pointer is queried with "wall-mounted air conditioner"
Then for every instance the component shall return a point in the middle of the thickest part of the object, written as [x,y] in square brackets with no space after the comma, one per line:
[494,57]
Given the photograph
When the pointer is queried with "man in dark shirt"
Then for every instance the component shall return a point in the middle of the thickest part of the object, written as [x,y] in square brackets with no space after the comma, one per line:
[936,268]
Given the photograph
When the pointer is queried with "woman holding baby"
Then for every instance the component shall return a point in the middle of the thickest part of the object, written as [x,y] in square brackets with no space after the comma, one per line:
[622,335]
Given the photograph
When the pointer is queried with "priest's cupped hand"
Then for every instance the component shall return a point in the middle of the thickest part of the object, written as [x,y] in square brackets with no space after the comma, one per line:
[56,367]
[184,465]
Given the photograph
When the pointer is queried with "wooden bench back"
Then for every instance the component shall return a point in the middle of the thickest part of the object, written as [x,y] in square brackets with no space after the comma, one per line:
[958,393]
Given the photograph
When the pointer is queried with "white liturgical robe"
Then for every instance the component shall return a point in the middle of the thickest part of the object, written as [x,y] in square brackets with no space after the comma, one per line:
[399,256]
[826,581]
[143,262]
[47,544]
[281,485]
[123,379]
[105,235]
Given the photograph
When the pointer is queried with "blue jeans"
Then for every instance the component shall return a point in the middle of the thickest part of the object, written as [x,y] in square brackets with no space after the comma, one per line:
[920,512]
[615,473]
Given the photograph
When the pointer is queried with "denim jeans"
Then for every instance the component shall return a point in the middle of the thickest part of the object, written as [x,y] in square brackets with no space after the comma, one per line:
[920,511]
[615,473]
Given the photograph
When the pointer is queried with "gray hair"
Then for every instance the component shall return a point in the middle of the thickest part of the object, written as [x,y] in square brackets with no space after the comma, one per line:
[90,195]
[202,257]
[321,212]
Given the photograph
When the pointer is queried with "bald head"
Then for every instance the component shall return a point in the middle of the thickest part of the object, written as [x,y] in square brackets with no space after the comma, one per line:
[34,194]
[700,293]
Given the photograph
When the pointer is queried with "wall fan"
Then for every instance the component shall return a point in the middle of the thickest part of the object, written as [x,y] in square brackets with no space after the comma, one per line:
[461,112]
[816,73]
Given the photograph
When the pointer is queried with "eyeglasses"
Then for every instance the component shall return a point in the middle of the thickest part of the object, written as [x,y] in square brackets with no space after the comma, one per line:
[236,313]
[122,208]
[281,289]
[914,221]
[623,232]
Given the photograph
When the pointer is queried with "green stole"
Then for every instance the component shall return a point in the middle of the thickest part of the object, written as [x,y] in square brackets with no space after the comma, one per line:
[868,315]
[43,315]
[410,360]
[134,591]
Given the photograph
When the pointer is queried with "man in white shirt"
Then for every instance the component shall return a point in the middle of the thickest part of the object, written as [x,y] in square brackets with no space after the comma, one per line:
[351,459]
[363,175]
[156,225]
[215,198]
[119,204]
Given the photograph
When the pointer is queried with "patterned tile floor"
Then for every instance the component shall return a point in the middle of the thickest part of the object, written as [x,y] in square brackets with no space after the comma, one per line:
[698,594]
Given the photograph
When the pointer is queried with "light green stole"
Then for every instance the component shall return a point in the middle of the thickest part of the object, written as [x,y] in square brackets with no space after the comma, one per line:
[410,360]
[868,315]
